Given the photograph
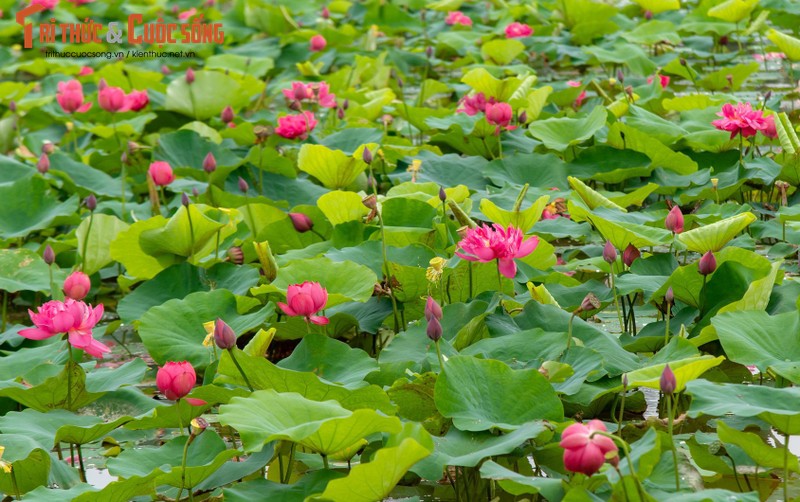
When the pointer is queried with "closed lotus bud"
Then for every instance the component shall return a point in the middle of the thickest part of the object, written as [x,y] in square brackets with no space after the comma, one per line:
[235,255]
[165,70]
[432,309]
[195,193]
[243,186]
[227,114]
[90,202]
[609,253]
[340,113]
[590,302]
[224,336]
[366,156]
[667,381]
[400,82]
[43,165]
[189,76]
[523,117]
[629,91]
[648,14]
[209,163]
[434,330]
[429,51]
[767,96]
[630,255]
[620,76]
[669,296]
[295,106]
[442,194]
[12,106]
[674,220]
[707,264]
[370,202]
[49,256]
[48,147]
[302,223]
[624,381]
[101,84]
[326,14]
[77,285]
[346,104]
[723,40]
[185,199]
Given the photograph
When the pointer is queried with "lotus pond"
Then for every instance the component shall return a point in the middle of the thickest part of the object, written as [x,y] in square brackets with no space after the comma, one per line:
[402,250]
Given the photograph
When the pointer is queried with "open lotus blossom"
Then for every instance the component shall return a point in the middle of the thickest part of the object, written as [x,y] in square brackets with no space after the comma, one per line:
[70,97]
[518,30]
[73,317]
[487,243]
[315,92]
[296,126]
[663,80]
[306,300]
[472,104]
[136,100]
[740,119]
[457,17]
[585,451]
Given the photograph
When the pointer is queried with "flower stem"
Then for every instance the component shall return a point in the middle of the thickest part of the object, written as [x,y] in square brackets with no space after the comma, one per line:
[786,467]
[183,466]
[670,417]
[241,371]
[69,376]
[191,234]
[180,417]
[14,484]
[469,273]
[5,308]
[324,460]
[703,295]
[52,287]
[499,278]
[80,463]
[666,331]
[289,466]
[86,242]
[616,300]
[439,353]
[621,412]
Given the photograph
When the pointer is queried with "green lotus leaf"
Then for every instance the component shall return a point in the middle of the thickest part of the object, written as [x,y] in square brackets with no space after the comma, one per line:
[715,236]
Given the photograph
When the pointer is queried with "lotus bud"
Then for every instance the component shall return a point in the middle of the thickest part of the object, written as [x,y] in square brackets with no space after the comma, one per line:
[648,14]
[49,256]
[432,309]
[165,70]
[669,296]
[101,84]
[302,223]
[268,264]
[184,199]
[629,91]
[767,96]
[189,76]
[366,156]
[723,40]
[624,381]
[77,285]
[442,194]
[227,114]
[346,104]
[43,165]
[590,302]
[682,62]
[340,113]
[707,264]
[620,76]
[48,147]
[209,163]
[243,186]
[667,381]
[90,202]
[235,255]
[674,220]
[609,253]
[224,336]
[295,106]
[195,193]
[429,51]
[522,118]
[630,255]
[434,330]
[326,14]
[12,106]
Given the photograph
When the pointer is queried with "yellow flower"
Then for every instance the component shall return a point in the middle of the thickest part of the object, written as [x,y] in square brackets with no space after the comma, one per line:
[434,272]
[209,327]
[414,169]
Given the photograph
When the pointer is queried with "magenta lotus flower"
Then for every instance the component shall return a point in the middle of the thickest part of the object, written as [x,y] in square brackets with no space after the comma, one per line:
[176,379]
[47,4]
[457,17]
[70,97]
[518,30]
[770,131]
[585,451]
[72,317]
[136,100]
[85,70]
[296,126]
[663,80]
[113,99]
[581,96]
[161,173]
[487,243]
[306,300]
[316,93]
[473,104]
[77,285]
[499,114]
[740,119]
[674,220]
[187,14]
[317,43]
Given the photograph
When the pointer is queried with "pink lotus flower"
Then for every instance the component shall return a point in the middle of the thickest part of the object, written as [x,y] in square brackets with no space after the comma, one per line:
[585,451]
[518,30]
[296,126]
[499,114]
[113,99]
[674,220]
[473,103]
[137,100]
[80,2]
[317,43]
[77,285]
[769,56]
[85,70]
[72,317]
[662,79]
[581,96]
[47,4]
[740,119]
[457,17]
[187,14]
[315,92]
[770,131]
[306,300]
[175,380]
[70,97]
[161,173]
[487,243]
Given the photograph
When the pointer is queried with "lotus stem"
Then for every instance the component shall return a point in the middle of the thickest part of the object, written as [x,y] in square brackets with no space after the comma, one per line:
[439,354]
[289,467]
[85,245]
[14,484]
[241,371]
[616,300]
[191,234]
[82,470]
[666,331]
[183,467]
[786,467]
[670,424]
[69,376]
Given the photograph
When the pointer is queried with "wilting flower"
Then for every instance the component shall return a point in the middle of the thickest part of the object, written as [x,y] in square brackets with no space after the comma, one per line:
[581,96]
[77,285]
[499,114]
[301,222]
[740,119]
[296,126]
[663,80]
[436,266]
[518,30]
[674,220]
[314,92]
[457,17]
[306,300]
[161,173]
[585,451]
[707,264]
[72,317]
[487,243]
[175,380]
[472,104]
[317,43]
[70,97]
